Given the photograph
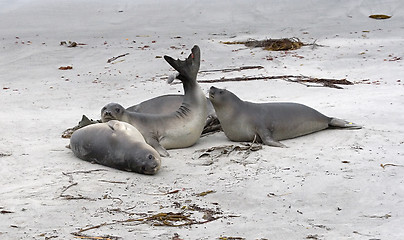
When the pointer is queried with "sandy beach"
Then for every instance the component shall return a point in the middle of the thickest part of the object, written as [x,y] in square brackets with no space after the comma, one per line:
[334,184]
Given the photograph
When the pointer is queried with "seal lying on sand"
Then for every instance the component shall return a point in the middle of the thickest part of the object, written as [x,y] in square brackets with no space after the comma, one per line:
[115,144]
[268,122]
[170,103]
[178,129]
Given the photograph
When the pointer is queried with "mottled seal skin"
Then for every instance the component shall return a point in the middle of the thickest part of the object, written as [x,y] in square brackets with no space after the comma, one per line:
[178,129]
[115,144]
[268,122]
[169,103]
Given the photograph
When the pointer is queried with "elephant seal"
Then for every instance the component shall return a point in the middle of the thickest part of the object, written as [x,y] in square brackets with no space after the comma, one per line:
[178,129]
[268,122]
[171,102]
[115,144]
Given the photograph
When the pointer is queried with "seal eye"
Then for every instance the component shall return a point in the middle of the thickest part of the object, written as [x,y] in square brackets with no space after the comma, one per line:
[221,91]
[117,110]
[103,109]
[150,157]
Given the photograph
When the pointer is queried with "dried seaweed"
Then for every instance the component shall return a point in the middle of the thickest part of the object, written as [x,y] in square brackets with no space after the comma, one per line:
[114,182]
[5,154]
[211,155]
[227,149]
[71,44]
[231,238]
[390,164]
[305,80]
[277,195]
[202,194]
[194,207]
[107,237]
[72,184]
[82,123]
[325,82]
[232,69]
[168,219]
[315,236]
[115,58]
[283,44]
[85,171]
[379,16]
[386,216]
[5,212]
[66,68]
[165,193]
[71,197]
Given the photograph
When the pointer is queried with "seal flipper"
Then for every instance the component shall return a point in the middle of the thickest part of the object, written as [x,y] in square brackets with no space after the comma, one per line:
[266,138]
[157,146]
[85,121]
[339,123]
[189,67]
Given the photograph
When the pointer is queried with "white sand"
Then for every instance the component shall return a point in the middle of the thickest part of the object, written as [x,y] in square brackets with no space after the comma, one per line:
[328,185]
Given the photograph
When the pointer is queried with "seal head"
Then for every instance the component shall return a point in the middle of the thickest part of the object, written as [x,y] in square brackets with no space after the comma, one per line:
[112,111]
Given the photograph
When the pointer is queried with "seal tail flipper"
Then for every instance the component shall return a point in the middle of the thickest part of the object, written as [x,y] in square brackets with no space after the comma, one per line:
[339,123]
[188,68]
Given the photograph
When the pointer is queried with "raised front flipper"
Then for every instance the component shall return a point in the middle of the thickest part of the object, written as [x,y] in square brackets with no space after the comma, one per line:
[188,68]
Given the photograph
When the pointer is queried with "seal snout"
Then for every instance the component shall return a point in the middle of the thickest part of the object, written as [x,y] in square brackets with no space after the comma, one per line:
[106,116]
[108,113]
[212,92]
[152,165]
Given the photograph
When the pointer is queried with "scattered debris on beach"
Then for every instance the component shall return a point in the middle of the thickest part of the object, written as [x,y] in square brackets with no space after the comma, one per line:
[65,68]
[283,44]
[5,154]
[71,44]
[82,123]
[226,150]
[379,16]
[115,58]
[305,80]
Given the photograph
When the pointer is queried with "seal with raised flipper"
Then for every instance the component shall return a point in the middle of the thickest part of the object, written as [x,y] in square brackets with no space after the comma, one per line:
[115,144]
[171,102]
[178,129]
[268,122]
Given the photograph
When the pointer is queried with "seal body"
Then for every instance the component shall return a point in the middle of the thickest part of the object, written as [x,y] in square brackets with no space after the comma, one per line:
[115,144]
[169,103]
[165,104]
[268,122]
[178,129]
